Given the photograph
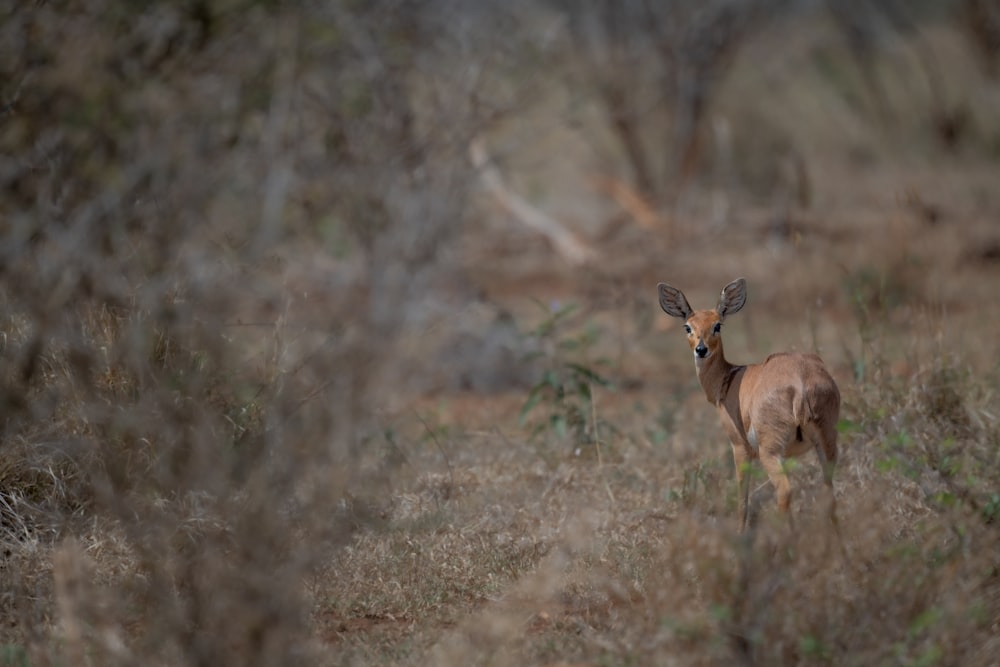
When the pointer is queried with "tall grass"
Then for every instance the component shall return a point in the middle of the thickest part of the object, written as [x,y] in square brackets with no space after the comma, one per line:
[223,228]
[637,560]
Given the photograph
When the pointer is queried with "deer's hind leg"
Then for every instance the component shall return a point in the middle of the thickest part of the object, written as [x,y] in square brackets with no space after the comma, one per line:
[824,437]
[772,448]
[775,468]
[775,442]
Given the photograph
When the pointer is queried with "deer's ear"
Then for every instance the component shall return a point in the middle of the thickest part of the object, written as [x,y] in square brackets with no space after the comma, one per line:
[672,301]
[734,297]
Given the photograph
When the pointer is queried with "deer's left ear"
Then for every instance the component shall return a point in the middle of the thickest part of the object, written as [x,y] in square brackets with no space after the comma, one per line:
[673,302]
[734,297]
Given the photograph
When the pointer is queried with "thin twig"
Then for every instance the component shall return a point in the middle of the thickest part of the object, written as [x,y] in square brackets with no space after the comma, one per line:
[593,417]
[447,460]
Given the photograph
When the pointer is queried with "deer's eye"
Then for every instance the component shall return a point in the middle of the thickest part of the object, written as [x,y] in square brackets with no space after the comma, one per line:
[687,329]
[717,328]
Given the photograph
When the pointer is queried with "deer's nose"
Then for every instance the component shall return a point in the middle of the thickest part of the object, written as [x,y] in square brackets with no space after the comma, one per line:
[701,350]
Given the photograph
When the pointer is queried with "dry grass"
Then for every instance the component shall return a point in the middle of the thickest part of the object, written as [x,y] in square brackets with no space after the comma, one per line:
[256,419]
[636,560]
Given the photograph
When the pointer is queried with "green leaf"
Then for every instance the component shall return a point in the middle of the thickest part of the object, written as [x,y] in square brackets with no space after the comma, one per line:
[13,654]
[931,656]
[720,612]
[569,344]
[945,499]
[658,436]
[531,356]
[548,325]
[567,310]
[558,423]
[992,509]
[926,619]
[589,374]
[904,439]
[814,648]
[534,398]
[845,426]
[551,379]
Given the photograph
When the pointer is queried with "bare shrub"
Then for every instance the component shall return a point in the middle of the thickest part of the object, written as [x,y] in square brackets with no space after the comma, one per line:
[654,69]
[166,166]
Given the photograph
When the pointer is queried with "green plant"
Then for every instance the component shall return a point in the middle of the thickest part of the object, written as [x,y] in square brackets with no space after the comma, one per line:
[565,390]
[992,509]
[815,649]
[13,655]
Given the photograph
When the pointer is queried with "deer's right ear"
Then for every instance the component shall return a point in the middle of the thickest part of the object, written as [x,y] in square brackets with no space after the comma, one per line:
[672,301]
[733,297]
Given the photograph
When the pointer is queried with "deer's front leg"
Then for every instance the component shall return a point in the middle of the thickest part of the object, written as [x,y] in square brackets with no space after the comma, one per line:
[741,458]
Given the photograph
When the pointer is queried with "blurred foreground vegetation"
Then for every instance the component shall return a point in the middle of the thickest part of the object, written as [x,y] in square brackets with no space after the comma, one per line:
[277,389]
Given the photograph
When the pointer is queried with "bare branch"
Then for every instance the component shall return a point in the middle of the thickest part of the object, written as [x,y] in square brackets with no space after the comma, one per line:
[573,250]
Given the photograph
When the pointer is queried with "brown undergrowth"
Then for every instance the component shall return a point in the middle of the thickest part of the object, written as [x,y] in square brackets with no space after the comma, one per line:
[273,392]
[637,562]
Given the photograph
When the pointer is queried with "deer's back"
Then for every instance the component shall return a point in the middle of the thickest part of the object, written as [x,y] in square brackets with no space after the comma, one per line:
[785,393]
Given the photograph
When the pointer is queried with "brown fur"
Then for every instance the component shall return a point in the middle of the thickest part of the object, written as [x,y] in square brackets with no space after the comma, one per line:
[782,407]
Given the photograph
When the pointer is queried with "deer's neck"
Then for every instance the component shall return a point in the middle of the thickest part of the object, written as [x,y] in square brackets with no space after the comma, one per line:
[716,375]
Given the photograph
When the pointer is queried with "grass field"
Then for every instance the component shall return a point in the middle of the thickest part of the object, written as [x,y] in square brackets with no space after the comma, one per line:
[300,440]
[512,545]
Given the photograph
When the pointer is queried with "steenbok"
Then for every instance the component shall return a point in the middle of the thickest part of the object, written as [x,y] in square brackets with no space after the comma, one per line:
[783,407]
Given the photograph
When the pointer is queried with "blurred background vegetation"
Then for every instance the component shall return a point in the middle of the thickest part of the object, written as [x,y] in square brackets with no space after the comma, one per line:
[327,329]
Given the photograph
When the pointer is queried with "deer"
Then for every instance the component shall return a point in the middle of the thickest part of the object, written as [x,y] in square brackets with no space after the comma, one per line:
[780,408]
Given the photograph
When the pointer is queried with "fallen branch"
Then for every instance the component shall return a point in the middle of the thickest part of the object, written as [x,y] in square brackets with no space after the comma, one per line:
[572,249]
